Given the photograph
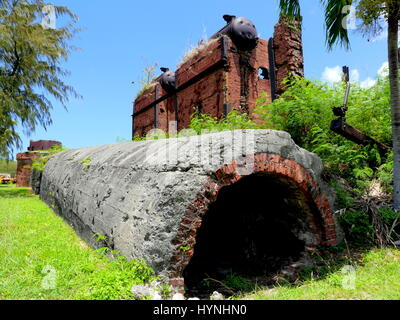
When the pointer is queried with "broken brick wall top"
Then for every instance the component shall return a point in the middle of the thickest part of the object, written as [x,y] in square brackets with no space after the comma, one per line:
[24,160]
[220,77]
[41,145]
[288,51]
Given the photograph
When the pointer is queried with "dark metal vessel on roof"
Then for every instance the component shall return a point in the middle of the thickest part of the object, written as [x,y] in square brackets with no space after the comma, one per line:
[167,80]
[241,30]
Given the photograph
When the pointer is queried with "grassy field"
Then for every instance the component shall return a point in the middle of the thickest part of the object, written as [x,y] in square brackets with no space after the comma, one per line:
[374,277]
[42,258]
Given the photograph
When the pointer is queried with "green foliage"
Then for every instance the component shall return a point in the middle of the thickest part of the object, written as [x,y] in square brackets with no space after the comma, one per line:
[166,290]
[385,174]
[138,138]
[9,167]
[357,226]
[343,199]
[389,216]
[305,111]
[372,14]
[238,283]
[304,106]
[184,248]
[115,280]
[99,237]
[148,78]
[203,123]
[40,162]
[86,163]
[33,236]
[31,76]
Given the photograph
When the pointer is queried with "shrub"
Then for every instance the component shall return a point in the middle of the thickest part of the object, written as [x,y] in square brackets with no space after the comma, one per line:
[357,226]
[40,162]
[235,120]
[305,111]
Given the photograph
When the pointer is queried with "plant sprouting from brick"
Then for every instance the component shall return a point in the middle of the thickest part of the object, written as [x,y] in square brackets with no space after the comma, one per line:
[148,78]
[195,50]
[184,248]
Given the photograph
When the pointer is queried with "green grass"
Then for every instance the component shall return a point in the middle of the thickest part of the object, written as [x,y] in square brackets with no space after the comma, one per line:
[376,278]
[41,257]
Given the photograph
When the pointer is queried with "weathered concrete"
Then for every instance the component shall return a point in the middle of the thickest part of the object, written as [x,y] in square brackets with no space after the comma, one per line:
[148,197]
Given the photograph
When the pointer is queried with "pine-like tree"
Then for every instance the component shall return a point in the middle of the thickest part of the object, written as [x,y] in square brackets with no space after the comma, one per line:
[32,51]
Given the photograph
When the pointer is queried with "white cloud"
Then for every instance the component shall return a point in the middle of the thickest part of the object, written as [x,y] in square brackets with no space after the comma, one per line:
[367,83]
[332,74]
[354,75]
[335,74]
[384,69]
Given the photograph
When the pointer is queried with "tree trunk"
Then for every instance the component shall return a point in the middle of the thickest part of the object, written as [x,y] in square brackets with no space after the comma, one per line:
[393,25]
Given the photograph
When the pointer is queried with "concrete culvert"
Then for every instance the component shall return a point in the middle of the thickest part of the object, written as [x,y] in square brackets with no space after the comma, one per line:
[249,201]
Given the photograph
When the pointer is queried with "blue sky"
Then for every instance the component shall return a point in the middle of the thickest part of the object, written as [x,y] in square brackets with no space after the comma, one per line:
[120,38]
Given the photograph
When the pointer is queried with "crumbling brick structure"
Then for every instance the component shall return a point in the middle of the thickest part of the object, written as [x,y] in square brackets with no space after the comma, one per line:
[24,160]
[221,76]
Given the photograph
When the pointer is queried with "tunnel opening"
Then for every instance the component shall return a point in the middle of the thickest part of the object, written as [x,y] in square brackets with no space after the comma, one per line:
[256,227]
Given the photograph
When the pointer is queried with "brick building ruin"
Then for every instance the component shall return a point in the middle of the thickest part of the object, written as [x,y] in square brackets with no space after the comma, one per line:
[223,74]
[24,160]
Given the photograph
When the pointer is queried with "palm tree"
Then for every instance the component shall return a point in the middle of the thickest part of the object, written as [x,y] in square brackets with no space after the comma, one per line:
[337,34]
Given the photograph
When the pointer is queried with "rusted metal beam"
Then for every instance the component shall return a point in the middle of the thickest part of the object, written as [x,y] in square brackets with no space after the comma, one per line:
[272,68]
[340,126]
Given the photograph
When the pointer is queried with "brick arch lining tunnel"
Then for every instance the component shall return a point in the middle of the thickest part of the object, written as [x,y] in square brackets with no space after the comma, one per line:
[254,224]
[248,201]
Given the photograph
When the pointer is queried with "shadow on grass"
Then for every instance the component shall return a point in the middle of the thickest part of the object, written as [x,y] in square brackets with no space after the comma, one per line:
[10,191]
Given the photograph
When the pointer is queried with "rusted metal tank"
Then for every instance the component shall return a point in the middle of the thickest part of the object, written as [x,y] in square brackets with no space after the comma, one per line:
[167,80]
[241,30]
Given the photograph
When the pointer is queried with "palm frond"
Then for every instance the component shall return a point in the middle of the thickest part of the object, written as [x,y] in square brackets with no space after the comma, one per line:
[335,17]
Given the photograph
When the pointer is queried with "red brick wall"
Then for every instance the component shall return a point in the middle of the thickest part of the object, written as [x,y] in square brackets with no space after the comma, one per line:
[211,92]
[235,82]
[24,162]
[256,86]
[288,50]
[42,145]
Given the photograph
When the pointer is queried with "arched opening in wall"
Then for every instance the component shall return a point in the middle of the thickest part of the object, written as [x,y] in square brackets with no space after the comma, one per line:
[255,228]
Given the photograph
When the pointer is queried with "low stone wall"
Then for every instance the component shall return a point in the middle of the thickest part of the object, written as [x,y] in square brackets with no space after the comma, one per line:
[148,198]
